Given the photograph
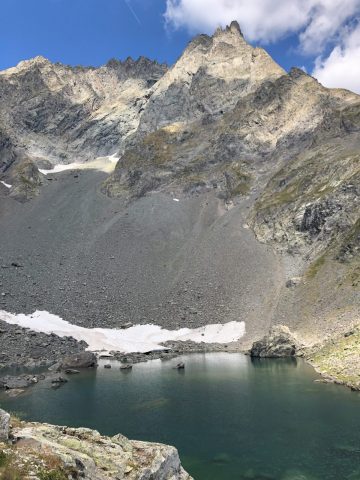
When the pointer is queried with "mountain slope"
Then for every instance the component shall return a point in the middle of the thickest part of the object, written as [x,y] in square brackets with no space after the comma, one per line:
[236,195]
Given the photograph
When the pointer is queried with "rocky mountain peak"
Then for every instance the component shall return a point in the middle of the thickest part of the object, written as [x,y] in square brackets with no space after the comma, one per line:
[232,29]
[37,61]
[210,77]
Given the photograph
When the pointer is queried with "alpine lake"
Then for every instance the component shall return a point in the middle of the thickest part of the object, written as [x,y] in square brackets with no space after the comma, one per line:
[231,417]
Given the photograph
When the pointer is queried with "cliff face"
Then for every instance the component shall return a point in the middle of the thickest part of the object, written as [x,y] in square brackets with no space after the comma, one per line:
[55,113]
[243,146]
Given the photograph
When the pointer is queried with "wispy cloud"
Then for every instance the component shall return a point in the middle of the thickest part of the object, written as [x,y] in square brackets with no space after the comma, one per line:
[342,67]
[130,7]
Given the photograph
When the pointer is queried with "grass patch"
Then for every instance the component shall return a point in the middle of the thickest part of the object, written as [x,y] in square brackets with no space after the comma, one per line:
[52,475]
[315,267]
[8,469]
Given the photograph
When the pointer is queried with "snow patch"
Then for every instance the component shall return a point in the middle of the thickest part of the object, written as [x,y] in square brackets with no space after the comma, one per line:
[113,158]
[139,338]
[176,200]
[61,168]
[5,184]
[103,164]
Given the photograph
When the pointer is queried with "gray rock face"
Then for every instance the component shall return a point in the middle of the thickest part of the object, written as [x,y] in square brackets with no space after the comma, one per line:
[4,426]
[90,456]
[209,78]
[71,111]
[279,343]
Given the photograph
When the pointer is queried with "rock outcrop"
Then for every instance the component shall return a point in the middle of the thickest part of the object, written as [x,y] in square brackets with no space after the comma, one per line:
[79,360]
[72,453]
[278,343]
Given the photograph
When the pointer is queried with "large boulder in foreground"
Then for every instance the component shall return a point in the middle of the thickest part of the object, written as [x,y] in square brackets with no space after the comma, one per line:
[79,360]
[84,453]
[278,343]
[4,426]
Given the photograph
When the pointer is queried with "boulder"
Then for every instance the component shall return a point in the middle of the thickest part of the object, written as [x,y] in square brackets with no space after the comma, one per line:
[4,426]
[180,366]
[87,454]
[126,366]
[79,360]
[278,343]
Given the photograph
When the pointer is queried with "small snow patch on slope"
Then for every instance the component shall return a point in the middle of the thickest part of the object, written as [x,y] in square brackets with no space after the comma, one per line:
[5,184]
[103,164]
[139,338]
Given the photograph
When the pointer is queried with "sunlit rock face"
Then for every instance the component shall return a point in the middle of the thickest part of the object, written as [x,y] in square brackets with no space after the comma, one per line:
[85,453]
[55,112]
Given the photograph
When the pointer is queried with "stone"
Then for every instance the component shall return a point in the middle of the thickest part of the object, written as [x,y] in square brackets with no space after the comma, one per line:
[11,382]
[57,379]
[15,392]
[278,343]
[180,366]
[85,450]
[125,326]
[4,425]
[126,367]
[79,360]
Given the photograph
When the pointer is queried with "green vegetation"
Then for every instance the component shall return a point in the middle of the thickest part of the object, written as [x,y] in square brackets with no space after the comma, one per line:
[52,475]
[315,267]
[340,358]
[8,468]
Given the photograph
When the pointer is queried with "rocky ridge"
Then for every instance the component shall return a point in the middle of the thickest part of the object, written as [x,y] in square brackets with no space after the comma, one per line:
[53,113]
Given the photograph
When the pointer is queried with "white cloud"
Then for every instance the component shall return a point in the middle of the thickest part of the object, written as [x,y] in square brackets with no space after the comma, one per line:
[342,67]
[316,21]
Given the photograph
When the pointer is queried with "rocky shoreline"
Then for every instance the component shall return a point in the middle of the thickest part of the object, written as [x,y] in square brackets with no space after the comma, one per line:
[23,347]
[58,358]
[34,451]
[336,360]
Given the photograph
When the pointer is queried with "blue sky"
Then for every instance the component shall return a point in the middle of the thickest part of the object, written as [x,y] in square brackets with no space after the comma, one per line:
[90,32]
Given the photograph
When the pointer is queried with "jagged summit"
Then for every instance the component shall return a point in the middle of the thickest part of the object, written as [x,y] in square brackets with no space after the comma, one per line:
[216,70]
[233,28]
[37,61]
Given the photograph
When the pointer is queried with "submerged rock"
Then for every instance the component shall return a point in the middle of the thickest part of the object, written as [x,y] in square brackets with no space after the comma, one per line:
[10,382]
[180,366]
[279,343]
[126,366]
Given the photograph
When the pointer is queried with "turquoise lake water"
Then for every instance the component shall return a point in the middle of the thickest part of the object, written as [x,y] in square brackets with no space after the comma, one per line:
[231,417]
